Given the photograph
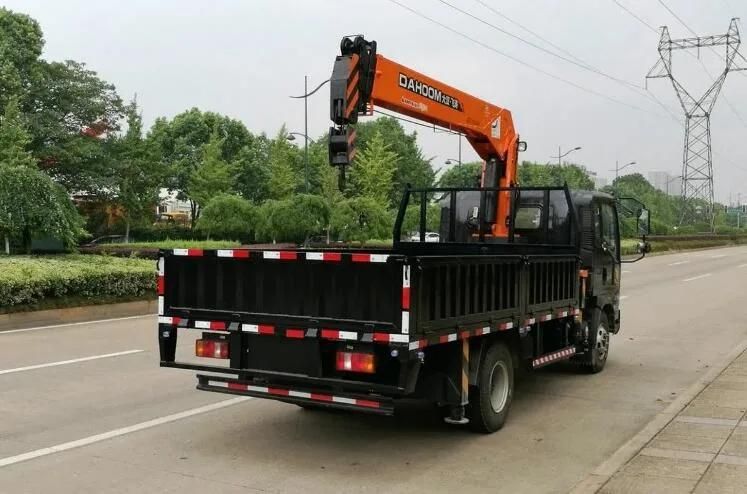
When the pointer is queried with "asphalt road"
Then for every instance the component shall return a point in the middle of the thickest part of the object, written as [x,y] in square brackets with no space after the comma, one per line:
[115,422]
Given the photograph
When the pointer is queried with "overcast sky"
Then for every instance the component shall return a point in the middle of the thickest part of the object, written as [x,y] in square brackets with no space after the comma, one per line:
[244,58]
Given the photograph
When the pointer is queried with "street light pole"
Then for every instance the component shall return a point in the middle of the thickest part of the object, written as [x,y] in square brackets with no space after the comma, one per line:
[306,130]
[561,155]
[460,149]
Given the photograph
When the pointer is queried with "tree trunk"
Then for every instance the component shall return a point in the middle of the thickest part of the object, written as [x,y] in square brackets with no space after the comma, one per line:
[193,216]
[27,241]
[7,245]
[127,231]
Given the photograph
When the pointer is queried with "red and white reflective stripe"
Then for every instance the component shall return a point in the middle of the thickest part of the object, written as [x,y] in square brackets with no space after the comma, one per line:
[298,394]
[530,321]
[552,357]
[563,313]
[334,334]
[406,287]
[447,338]
[324,256]
[390,338]
[505,325]
[188,252]
[258,328]
[161,266]
[405,328]
[235,253]
[482,331]
[547,317]
[295,333]
[370,257]
[416,345]
[283,255]
[160,306]
[169,320]
[160,285]
[212,325]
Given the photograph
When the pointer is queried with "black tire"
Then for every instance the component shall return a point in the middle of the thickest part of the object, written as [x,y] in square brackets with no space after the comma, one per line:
[595,358]
[490,400]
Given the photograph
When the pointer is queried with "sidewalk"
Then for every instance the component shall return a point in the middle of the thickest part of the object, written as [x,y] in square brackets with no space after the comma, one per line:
[702,450]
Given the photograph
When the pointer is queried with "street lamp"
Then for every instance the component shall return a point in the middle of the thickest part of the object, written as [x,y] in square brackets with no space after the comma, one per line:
[561,156]
[305,134]
[292,136]
[451,161]
[618,168]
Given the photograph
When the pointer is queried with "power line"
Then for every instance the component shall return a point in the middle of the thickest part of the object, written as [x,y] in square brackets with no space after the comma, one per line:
[524,28]
[519,61]
[632,14]
[628,85]
[583,66]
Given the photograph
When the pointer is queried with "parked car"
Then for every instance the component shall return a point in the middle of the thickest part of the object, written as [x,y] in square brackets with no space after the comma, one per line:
[429,237]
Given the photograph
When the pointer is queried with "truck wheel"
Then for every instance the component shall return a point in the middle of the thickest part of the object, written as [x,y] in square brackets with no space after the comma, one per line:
[599,343]
[490,400]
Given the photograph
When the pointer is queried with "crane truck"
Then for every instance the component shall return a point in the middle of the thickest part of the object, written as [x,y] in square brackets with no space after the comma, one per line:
[521,277]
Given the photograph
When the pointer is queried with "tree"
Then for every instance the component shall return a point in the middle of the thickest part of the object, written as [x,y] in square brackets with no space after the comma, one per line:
[294,219]
[21,43]
[135,174]
[228,217]
[411,221]
[252,170]
[284,167]
[180,141]
[466,175]
[538,175]
[213,177]
[14,138]
[374,170]
[32,204]
[412,168]
[361,219]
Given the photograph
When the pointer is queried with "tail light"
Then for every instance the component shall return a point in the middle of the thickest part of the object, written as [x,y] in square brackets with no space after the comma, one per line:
[211,348]
[355,362]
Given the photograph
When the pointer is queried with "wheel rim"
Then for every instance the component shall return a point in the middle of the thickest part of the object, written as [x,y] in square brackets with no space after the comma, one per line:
[498,386]
[602,343]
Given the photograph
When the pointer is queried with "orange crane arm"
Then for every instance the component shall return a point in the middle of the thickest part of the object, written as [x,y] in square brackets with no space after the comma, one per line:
[362,79]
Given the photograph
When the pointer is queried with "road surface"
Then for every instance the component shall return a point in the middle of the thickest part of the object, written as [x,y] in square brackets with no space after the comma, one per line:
[85,408]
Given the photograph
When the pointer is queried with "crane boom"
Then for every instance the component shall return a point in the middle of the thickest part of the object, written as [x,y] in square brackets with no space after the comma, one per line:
[362,79]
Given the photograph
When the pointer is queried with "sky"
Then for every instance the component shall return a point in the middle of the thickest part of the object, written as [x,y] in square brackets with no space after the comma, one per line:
[244,58]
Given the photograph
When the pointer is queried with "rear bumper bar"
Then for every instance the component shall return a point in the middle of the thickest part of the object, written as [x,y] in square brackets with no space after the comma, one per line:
[300,396]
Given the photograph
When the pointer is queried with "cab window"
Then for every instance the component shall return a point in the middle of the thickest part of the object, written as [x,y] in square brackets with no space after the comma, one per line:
[609,227]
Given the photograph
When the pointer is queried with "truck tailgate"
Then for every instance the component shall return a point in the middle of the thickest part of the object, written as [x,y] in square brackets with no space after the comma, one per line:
[285,287]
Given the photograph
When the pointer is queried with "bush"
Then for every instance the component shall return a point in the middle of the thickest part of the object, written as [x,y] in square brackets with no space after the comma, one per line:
[360,219]
[294,219]
[227,216]
[28,280]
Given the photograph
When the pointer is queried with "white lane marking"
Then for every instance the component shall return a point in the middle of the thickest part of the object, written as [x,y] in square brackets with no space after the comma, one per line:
[65,362]
[742,266]
[677,263]
[699,277]
[718,256]
[74,324]
[10,460]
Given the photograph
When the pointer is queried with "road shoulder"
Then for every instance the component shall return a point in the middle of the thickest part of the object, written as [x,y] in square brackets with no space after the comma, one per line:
[697,444]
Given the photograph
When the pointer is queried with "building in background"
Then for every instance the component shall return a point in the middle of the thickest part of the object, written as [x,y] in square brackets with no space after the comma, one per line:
[169,204]
[666,182]
[599,182]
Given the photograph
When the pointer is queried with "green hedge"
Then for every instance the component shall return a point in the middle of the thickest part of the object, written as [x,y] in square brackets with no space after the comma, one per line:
[27,280]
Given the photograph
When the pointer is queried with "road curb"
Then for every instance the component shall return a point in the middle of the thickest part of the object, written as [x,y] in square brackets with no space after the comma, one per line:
[22,320]
[604,471]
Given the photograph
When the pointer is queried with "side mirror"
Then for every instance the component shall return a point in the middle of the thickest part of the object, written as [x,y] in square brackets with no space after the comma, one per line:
[522,146]
[643,222]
